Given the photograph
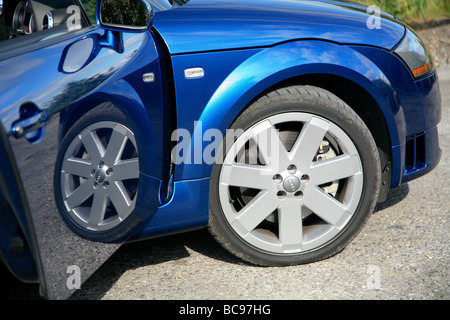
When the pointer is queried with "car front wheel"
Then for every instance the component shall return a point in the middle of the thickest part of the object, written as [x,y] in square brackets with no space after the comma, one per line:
[298,181]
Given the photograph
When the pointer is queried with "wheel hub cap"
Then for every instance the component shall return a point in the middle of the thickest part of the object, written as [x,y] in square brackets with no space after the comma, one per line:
[100,176]
[291,184]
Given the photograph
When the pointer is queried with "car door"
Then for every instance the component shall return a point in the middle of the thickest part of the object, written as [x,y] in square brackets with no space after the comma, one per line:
[55,66]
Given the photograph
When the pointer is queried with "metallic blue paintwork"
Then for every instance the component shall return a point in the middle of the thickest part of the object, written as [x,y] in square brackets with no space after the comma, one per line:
[258,44]
[419,101]
[109,77]
[429,93]
[216,106]
[205,25]
[12,223]
[242,74]
[265,68]
[186,210]
[34,78]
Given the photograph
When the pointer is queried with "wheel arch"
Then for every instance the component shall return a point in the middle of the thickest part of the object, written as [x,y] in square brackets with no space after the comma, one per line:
[338,69]
[363,103]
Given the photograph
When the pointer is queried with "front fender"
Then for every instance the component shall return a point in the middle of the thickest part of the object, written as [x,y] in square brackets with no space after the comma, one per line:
[271,66]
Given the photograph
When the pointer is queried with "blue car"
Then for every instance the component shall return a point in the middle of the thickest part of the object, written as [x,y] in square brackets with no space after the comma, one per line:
[278,125]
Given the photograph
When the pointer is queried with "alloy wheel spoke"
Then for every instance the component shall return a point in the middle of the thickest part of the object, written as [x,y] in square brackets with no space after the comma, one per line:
[335,169]
[120,199]
[116,145]
[270,146]
[77,166]
[290,222]
[326,207]
[80,194]
[256,211]
[308,142]
[93,145]
[126,169]
[98,208]
[249,176]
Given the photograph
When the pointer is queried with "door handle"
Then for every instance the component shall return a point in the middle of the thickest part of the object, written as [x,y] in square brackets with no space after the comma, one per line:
[28,125]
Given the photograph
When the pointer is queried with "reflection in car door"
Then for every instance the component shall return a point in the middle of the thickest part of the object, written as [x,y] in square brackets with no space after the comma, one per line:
[38,80]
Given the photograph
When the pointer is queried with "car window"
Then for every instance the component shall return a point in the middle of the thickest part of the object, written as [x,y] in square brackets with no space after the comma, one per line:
[23,18]
[89,8]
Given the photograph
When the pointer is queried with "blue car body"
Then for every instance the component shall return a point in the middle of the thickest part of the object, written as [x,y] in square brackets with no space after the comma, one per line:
[245,48]
[248,50]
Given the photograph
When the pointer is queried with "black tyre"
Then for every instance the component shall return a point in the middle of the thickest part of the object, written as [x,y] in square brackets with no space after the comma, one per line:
[97,176]
[298,182]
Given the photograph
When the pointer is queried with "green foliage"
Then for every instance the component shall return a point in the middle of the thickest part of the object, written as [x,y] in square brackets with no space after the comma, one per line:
[89,6]
[124,12]
[414,11]
[121,12]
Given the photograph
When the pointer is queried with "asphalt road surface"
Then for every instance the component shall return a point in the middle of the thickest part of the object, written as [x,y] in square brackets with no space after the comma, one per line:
[403,253]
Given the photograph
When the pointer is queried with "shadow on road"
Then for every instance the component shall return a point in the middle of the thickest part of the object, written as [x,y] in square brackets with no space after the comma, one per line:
[147,253]
[395,196]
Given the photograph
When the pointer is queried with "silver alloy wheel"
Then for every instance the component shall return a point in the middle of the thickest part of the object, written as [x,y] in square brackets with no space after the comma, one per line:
[99,176]
[291,184]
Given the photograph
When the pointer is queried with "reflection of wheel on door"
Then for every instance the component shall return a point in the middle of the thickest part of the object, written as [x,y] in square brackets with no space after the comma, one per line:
[97,175]
[298,183]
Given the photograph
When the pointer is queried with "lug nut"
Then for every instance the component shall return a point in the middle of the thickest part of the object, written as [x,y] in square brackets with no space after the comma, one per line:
[298,194]
[305,178]
[277,178]
[281,194]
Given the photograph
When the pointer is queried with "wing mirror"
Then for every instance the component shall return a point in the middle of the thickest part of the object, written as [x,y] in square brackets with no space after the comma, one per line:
[117,16]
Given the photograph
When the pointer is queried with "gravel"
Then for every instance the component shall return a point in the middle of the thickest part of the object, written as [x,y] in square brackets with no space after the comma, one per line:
[438,41]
